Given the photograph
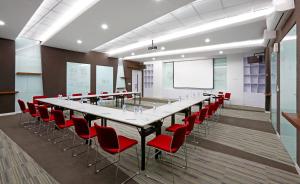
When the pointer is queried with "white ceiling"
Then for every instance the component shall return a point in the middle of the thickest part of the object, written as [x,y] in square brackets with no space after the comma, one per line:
[120,15]
[131,21]
[196,13]
[15,14]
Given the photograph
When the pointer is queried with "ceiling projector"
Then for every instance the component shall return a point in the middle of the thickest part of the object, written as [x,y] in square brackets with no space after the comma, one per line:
[153,47]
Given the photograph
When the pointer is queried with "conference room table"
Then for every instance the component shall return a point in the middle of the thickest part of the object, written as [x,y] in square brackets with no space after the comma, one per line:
[147,121]
[117,96]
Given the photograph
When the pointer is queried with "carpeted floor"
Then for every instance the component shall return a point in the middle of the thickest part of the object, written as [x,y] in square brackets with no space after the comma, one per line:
[238,149]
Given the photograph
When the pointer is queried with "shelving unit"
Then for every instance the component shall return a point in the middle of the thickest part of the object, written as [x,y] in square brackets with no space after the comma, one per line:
[28,73]
[254,77]
[148,76]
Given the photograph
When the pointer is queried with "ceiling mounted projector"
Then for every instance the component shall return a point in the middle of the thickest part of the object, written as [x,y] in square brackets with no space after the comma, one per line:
[153,47]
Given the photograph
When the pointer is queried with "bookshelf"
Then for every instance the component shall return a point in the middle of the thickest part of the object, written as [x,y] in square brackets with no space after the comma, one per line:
[148,76]
[254,77]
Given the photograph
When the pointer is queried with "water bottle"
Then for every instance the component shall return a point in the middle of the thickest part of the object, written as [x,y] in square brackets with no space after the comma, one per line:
[141,109]
[154,106]
[124,108]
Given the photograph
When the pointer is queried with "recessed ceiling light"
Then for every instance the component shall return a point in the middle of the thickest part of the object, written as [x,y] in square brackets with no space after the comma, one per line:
[2,23]
[79,41]
[104,26]
[182,55]
[207,40]
[220,52]
[163,48]
[153,59]
[132,53]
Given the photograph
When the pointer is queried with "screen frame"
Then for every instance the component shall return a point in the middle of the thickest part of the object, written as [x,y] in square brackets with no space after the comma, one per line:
[213,86]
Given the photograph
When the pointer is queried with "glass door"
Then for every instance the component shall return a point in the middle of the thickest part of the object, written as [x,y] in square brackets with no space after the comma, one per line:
[288,74]
[274,89]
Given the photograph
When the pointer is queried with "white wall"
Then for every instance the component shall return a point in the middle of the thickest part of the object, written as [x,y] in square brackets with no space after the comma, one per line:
[235,79]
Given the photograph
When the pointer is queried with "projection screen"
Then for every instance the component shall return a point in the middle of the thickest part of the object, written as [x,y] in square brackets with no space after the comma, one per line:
[194,74]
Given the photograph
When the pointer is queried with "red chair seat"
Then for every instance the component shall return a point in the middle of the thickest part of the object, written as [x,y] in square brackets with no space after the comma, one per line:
[198,122]
[124,143]
[174,127]
[51,118]
[68,123]
[92,134]
[162,142]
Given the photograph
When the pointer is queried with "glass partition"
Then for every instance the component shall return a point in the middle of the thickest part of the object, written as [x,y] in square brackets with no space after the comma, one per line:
[104,79]
[220,74]
[120,76]
[273,89]
[288,74]
[78,78]
[168,75]
[28,70]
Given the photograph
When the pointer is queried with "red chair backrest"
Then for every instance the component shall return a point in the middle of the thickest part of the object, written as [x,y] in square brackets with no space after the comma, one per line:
[190,122]
[216,106]
[107,138]
[59,117]
[91,93]
[178,139]
[22,105]
[81,126]
[210,109]
[31,107]
[44,114]
[77,94]
[221,100]
[202,114]
[128,95]
[227,95]
[104,92]
[34,99]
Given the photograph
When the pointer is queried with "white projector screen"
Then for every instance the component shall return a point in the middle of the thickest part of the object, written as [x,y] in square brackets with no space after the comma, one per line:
[194,74]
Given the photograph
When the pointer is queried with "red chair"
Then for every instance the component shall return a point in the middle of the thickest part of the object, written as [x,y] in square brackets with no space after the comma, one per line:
[77,94]
[23,109]
[227,96]
[61,124]
[84,132]
[114,144]
[201,120]
[33,112]
[128,96]
[169,144]
[46,118]
[104,97]
[35,100]
[93,100]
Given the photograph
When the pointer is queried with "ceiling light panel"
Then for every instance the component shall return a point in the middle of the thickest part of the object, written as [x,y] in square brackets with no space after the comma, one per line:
[218,47]
[179,20]
[52,16]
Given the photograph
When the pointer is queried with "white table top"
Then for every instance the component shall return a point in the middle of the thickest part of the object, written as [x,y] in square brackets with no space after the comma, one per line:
[102,95]
[138,119]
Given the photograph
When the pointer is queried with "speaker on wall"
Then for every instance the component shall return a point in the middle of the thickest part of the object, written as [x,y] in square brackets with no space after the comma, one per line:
[256,59]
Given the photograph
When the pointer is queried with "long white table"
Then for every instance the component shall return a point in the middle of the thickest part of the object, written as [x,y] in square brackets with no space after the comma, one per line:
[117,96]
[147,122]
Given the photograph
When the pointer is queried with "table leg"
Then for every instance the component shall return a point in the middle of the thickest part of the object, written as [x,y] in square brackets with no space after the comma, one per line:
[143,149]
[200,106]
[103,122]
[71,113]
[134,99]
[173,119]
[186,113]
[158,132]
[140,98]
